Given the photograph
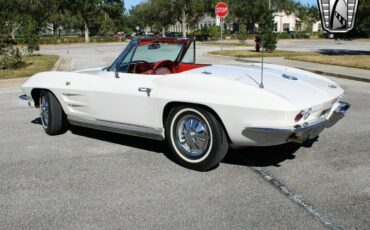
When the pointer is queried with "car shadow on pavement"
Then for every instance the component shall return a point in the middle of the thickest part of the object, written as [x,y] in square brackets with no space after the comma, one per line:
[250,156]
[36,121]
[265,156]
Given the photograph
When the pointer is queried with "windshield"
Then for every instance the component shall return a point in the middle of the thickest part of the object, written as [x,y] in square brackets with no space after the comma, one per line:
[149,52]
[158,51]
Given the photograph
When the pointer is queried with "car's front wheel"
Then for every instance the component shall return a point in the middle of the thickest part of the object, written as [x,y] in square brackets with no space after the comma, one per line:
[196,138]
[51,114]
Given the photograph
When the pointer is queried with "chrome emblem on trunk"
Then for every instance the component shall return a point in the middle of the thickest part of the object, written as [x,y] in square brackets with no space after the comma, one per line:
[338,16]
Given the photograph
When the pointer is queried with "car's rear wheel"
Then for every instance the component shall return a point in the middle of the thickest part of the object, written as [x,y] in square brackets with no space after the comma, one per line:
[196,138]
[51,114]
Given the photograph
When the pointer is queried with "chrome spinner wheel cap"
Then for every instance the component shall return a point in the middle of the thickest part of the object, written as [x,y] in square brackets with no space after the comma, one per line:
[193,136]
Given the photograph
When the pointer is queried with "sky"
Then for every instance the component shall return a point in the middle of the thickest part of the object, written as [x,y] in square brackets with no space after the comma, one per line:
[130,3]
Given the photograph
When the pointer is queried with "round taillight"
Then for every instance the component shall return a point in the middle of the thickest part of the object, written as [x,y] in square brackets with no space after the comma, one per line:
[299,116]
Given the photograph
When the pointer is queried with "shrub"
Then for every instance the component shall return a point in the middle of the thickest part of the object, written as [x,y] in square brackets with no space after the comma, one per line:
[31,38]
[78,39]
[268,37]
[208,33]
[10,57]
[202,35]
[284,36]
[242,38]
[214,32]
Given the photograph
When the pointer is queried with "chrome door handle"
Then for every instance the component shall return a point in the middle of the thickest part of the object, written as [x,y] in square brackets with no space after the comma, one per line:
[145,90]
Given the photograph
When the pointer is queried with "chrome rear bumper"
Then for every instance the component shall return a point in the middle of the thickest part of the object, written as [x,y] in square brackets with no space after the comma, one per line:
[299,134]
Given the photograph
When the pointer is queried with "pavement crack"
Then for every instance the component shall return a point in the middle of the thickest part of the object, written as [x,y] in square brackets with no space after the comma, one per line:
[297,199]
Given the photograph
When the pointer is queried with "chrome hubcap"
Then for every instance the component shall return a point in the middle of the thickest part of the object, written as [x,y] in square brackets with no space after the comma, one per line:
[193,136]
[44,109]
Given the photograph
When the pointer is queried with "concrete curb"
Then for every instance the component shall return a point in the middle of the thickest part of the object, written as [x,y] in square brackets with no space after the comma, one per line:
[63,64]
[338,75]
[57,63]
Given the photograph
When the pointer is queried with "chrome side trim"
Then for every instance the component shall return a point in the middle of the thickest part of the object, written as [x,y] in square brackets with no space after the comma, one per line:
[121,128]
[71,95]
[76,106]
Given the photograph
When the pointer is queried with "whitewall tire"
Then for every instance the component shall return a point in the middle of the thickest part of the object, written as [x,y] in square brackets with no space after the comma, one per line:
[196,138]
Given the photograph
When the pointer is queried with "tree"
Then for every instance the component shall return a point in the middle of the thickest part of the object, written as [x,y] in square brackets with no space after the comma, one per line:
[86,9]
[308,15]
[266,28]
[164,11]
[248,12]
[189,12]
[141,16]
[27,17]
[113,14]
[363,17]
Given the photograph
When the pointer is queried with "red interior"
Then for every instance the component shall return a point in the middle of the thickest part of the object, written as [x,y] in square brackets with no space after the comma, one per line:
[144,68]
[186,67]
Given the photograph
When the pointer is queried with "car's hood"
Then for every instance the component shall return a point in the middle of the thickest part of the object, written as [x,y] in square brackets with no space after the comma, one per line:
[294,85]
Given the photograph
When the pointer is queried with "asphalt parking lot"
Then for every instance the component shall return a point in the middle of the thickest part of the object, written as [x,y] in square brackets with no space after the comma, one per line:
[89,179]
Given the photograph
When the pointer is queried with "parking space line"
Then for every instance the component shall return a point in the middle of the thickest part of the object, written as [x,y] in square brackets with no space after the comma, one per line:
[297,199]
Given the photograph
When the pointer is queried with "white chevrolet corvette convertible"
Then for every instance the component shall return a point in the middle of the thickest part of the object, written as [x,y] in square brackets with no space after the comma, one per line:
[154,89]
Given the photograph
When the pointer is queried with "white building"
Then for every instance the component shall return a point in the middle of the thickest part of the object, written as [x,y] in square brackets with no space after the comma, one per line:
[290,22]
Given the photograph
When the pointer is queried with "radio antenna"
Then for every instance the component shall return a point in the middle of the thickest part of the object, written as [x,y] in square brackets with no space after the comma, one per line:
[262,61]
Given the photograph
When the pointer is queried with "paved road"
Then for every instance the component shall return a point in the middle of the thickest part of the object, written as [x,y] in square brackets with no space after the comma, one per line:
[93,180]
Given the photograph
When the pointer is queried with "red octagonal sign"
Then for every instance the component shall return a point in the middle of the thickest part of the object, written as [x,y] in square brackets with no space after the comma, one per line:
[222,10]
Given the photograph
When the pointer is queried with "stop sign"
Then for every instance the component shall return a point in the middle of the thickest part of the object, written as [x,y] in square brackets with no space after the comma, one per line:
[222,10]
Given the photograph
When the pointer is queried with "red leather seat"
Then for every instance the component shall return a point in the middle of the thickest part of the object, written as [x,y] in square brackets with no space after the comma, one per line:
[162,71]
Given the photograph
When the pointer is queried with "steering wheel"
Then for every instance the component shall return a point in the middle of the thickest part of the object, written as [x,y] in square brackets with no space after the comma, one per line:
[141,62]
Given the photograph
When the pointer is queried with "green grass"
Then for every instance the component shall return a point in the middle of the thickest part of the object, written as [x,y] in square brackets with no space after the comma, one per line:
[353,61]
[253,54]
[33,64]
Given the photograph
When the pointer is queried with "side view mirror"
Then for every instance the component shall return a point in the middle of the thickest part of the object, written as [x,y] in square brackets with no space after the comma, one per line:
[116,71]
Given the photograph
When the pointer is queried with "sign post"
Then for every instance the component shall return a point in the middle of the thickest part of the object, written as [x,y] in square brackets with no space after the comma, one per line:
[222,32]
[222,10]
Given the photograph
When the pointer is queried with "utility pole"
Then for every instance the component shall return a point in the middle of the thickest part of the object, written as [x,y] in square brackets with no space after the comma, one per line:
[269,4]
